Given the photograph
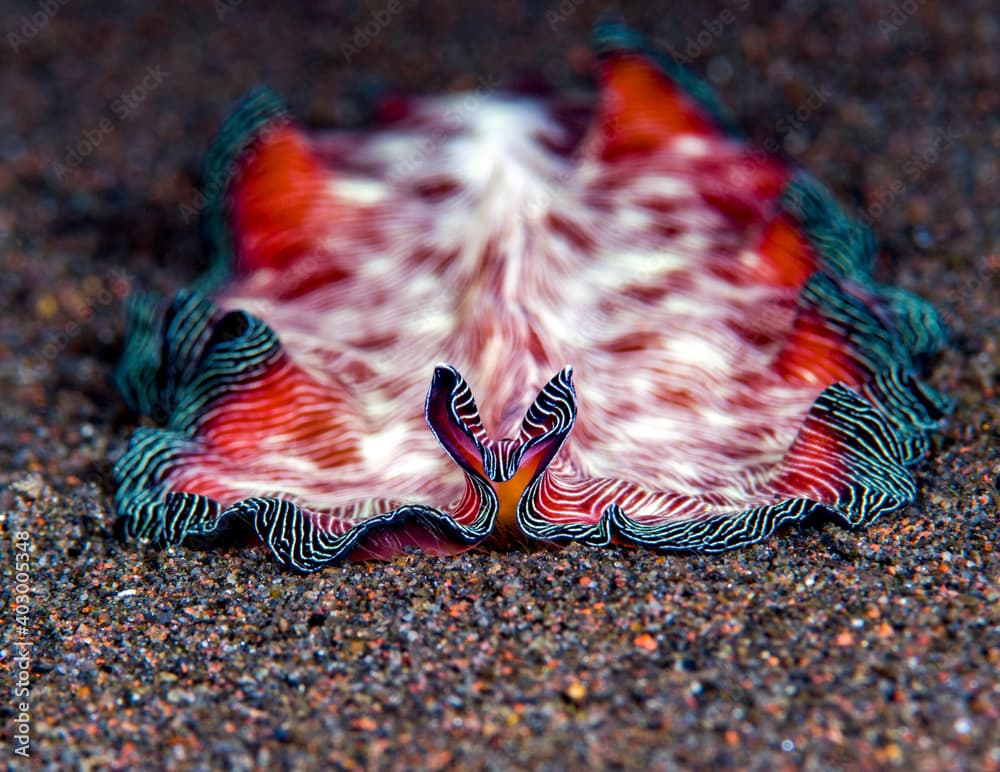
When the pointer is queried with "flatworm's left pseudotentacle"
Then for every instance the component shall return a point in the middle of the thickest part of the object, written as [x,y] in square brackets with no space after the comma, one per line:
[735,366]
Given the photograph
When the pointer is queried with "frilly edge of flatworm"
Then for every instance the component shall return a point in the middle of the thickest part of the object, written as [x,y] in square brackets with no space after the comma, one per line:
[182,357]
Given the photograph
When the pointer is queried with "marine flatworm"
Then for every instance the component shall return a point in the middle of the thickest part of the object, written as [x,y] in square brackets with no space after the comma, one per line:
[735,368]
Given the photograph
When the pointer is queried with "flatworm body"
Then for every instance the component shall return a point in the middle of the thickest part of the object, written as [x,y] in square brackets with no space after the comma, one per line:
[380,357]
